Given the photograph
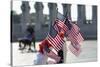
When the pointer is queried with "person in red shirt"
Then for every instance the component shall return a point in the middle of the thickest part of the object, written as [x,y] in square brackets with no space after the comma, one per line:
[41,57]
[45,51]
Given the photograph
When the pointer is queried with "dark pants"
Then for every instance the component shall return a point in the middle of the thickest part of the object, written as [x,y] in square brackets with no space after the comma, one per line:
[60,54]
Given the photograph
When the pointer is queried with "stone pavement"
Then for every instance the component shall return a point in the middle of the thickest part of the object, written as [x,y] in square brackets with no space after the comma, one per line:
[88,54]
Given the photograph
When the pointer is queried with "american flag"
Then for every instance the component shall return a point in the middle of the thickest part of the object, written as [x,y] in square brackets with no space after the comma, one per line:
[72,32]
[55,40]
[75,37]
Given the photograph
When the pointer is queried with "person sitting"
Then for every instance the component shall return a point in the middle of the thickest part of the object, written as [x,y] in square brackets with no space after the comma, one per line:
[44,52]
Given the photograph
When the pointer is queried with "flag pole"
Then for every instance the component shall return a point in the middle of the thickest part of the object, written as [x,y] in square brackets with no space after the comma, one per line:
[65,50]
[65,44]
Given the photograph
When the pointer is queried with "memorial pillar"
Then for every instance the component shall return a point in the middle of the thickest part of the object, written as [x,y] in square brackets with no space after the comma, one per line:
[25,16]
[81,14]
[39,20]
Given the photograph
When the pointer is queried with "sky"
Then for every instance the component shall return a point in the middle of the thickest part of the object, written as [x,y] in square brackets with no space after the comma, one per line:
[17,4]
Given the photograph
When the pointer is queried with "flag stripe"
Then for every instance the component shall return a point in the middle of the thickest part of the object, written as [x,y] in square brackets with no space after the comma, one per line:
[75,38]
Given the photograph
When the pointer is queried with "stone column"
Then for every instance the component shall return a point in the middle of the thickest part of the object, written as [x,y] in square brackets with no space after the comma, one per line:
[81,14]
[94,14]
[25,16]
[39,20]
[52,11]
[67,9]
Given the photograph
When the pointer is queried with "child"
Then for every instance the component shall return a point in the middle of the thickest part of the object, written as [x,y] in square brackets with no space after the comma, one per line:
[45,52]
